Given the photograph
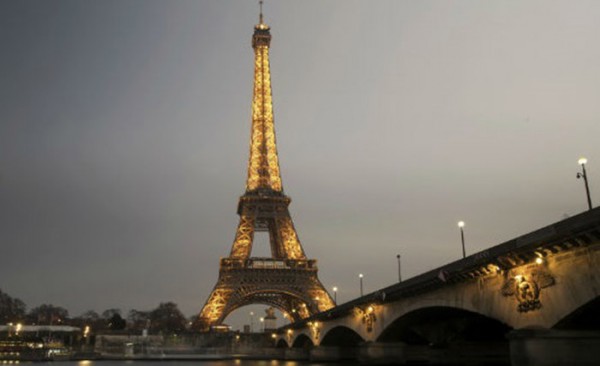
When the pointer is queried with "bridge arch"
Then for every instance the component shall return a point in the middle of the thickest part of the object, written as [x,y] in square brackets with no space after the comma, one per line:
[443,325]
[341,336]
[281,343]
[583,318]
[302,341]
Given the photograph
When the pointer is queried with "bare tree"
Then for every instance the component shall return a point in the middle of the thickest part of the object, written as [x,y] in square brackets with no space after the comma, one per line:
[12,310]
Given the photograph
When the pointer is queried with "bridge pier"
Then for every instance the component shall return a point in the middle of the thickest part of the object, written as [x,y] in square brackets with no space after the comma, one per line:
[374,353]
[332,353]
[296,354]
[466,353]
[547,347]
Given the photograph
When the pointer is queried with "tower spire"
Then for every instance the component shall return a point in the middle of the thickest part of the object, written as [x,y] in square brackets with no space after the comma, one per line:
[263,163]
[260,19]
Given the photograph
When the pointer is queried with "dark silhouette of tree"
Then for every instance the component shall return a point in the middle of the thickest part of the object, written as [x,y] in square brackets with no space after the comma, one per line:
[116,322]
[113,320]
[138,320]
[167,319]
[12,310]
[109,313]
[89,318]
[47,314]
[90,315]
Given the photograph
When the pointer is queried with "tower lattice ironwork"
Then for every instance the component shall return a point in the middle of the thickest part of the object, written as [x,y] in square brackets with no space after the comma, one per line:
[288,279]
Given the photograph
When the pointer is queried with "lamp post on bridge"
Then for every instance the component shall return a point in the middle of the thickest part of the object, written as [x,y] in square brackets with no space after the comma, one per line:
[360,276]
[335,295]
[582,162]
[461,225]
[399,268]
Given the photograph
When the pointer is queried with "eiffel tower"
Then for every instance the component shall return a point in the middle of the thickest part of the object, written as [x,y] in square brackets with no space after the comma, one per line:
[287,280]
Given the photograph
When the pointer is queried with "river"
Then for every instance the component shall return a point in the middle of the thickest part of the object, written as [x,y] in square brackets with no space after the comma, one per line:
[188,363]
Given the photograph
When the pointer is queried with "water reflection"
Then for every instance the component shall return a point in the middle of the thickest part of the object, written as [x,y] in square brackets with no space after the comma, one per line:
[235,362]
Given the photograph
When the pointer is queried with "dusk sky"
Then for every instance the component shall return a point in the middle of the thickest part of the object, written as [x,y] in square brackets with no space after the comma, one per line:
[124,132]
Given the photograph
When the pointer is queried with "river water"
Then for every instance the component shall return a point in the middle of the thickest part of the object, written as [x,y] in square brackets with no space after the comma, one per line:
[187,363]
[234,362]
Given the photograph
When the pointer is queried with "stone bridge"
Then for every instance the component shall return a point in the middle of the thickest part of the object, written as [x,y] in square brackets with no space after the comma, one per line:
[530,301]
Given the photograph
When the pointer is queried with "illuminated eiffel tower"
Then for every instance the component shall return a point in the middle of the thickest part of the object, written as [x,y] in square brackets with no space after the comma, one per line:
[287,280]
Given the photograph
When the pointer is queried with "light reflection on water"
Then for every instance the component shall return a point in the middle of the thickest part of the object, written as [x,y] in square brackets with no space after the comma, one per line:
[235,362]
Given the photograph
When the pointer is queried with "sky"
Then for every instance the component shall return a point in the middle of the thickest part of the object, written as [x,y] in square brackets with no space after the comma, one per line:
[125,125]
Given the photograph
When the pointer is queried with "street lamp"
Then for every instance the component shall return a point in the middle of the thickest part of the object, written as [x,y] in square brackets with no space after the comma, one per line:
[399,269]
[262,324]
[251,322]
[335,295]
[582,162]
[360,276]
[461,225]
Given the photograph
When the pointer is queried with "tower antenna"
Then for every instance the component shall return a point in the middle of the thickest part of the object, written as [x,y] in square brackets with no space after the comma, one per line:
[260,3]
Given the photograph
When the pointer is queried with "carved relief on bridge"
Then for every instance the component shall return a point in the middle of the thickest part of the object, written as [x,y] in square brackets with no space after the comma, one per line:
[526,288]
[367,315]
[315,331]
